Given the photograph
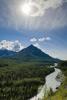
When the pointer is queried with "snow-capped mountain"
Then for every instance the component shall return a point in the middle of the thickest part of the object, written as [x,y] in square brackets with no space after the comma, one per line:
[11,45]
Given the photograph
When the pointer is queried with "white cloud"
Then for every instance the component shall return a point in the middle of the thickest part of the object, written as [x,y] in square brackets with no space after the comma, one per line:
[11,45]
[33,39]
[42,39]
[37,45]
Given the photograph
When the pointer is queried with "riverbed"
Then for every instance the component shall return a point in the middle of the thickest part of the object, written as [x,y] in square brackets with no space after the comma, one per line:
[51,82]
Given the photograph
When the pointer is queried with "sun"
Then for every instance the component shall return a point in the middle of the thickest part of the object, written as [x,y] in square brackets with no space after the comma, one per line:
[31,9]
[26,8]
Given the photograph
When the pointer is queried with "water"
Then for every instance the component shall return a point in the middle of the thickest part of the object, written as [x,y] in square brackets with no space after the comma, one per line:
[51,82]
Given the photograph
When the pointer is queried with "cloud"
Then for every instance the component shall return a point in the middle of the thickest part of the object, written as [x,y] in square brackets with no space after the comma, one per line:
[42,39]
[47,38]
[46,4]
[11,45]
[33,39]
[48,14]
[40,7]
[36,45]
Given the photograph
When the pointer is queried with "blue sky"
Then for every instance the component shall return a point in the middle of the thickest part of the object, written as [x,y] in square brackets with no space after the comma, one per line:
[45,27]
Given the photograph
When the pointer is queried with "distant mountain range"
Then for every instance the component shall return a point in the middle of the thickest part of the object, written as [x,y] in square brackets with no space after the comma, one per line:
[31,53]
[6,53]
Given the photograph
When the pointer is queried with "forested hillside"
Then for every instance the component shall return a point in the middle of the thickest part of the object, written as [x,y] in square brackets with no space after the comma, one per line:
[21,81]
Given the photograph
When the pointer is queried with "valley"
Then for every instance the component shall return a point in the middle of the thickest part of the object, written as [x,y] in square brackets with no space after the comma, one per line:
[22,73]
[61,93]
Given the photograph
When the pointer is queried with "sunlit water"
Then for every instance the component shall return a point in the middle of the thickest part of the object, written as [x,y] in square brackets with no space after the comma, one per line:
[51,82]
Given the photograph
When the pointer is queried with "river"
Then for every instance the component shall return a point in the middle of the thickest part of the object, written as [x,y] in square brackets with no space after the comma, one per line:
[51,82]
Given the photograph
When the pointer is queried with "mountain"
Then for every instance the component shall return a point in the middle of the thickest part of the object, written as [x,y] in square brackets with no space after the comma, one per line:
[32,53]
[6,53]
[15,46]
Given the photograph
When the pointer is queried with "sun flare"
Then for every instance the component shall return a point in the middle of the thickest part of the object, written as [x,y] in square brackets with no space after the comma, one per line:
[31,9]
[26,9]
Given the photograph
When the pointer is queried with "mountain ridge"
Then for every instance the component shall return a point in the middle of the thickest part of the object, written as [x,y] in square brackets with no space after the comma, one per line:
[30,53]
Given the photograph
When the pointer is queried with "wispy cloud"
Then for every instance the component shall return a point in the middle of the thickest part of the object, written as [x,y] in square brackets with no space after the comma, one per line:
[49,14]
[48,38]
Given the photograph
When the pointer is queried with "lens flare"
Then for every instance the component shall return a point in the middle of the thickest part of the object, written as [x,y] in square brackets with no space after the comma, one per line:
[26,9]
[31,9]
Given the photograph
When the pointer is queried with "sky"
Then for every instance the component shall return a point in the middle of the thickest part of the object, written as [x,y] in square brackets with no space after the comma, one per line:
[42,23]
